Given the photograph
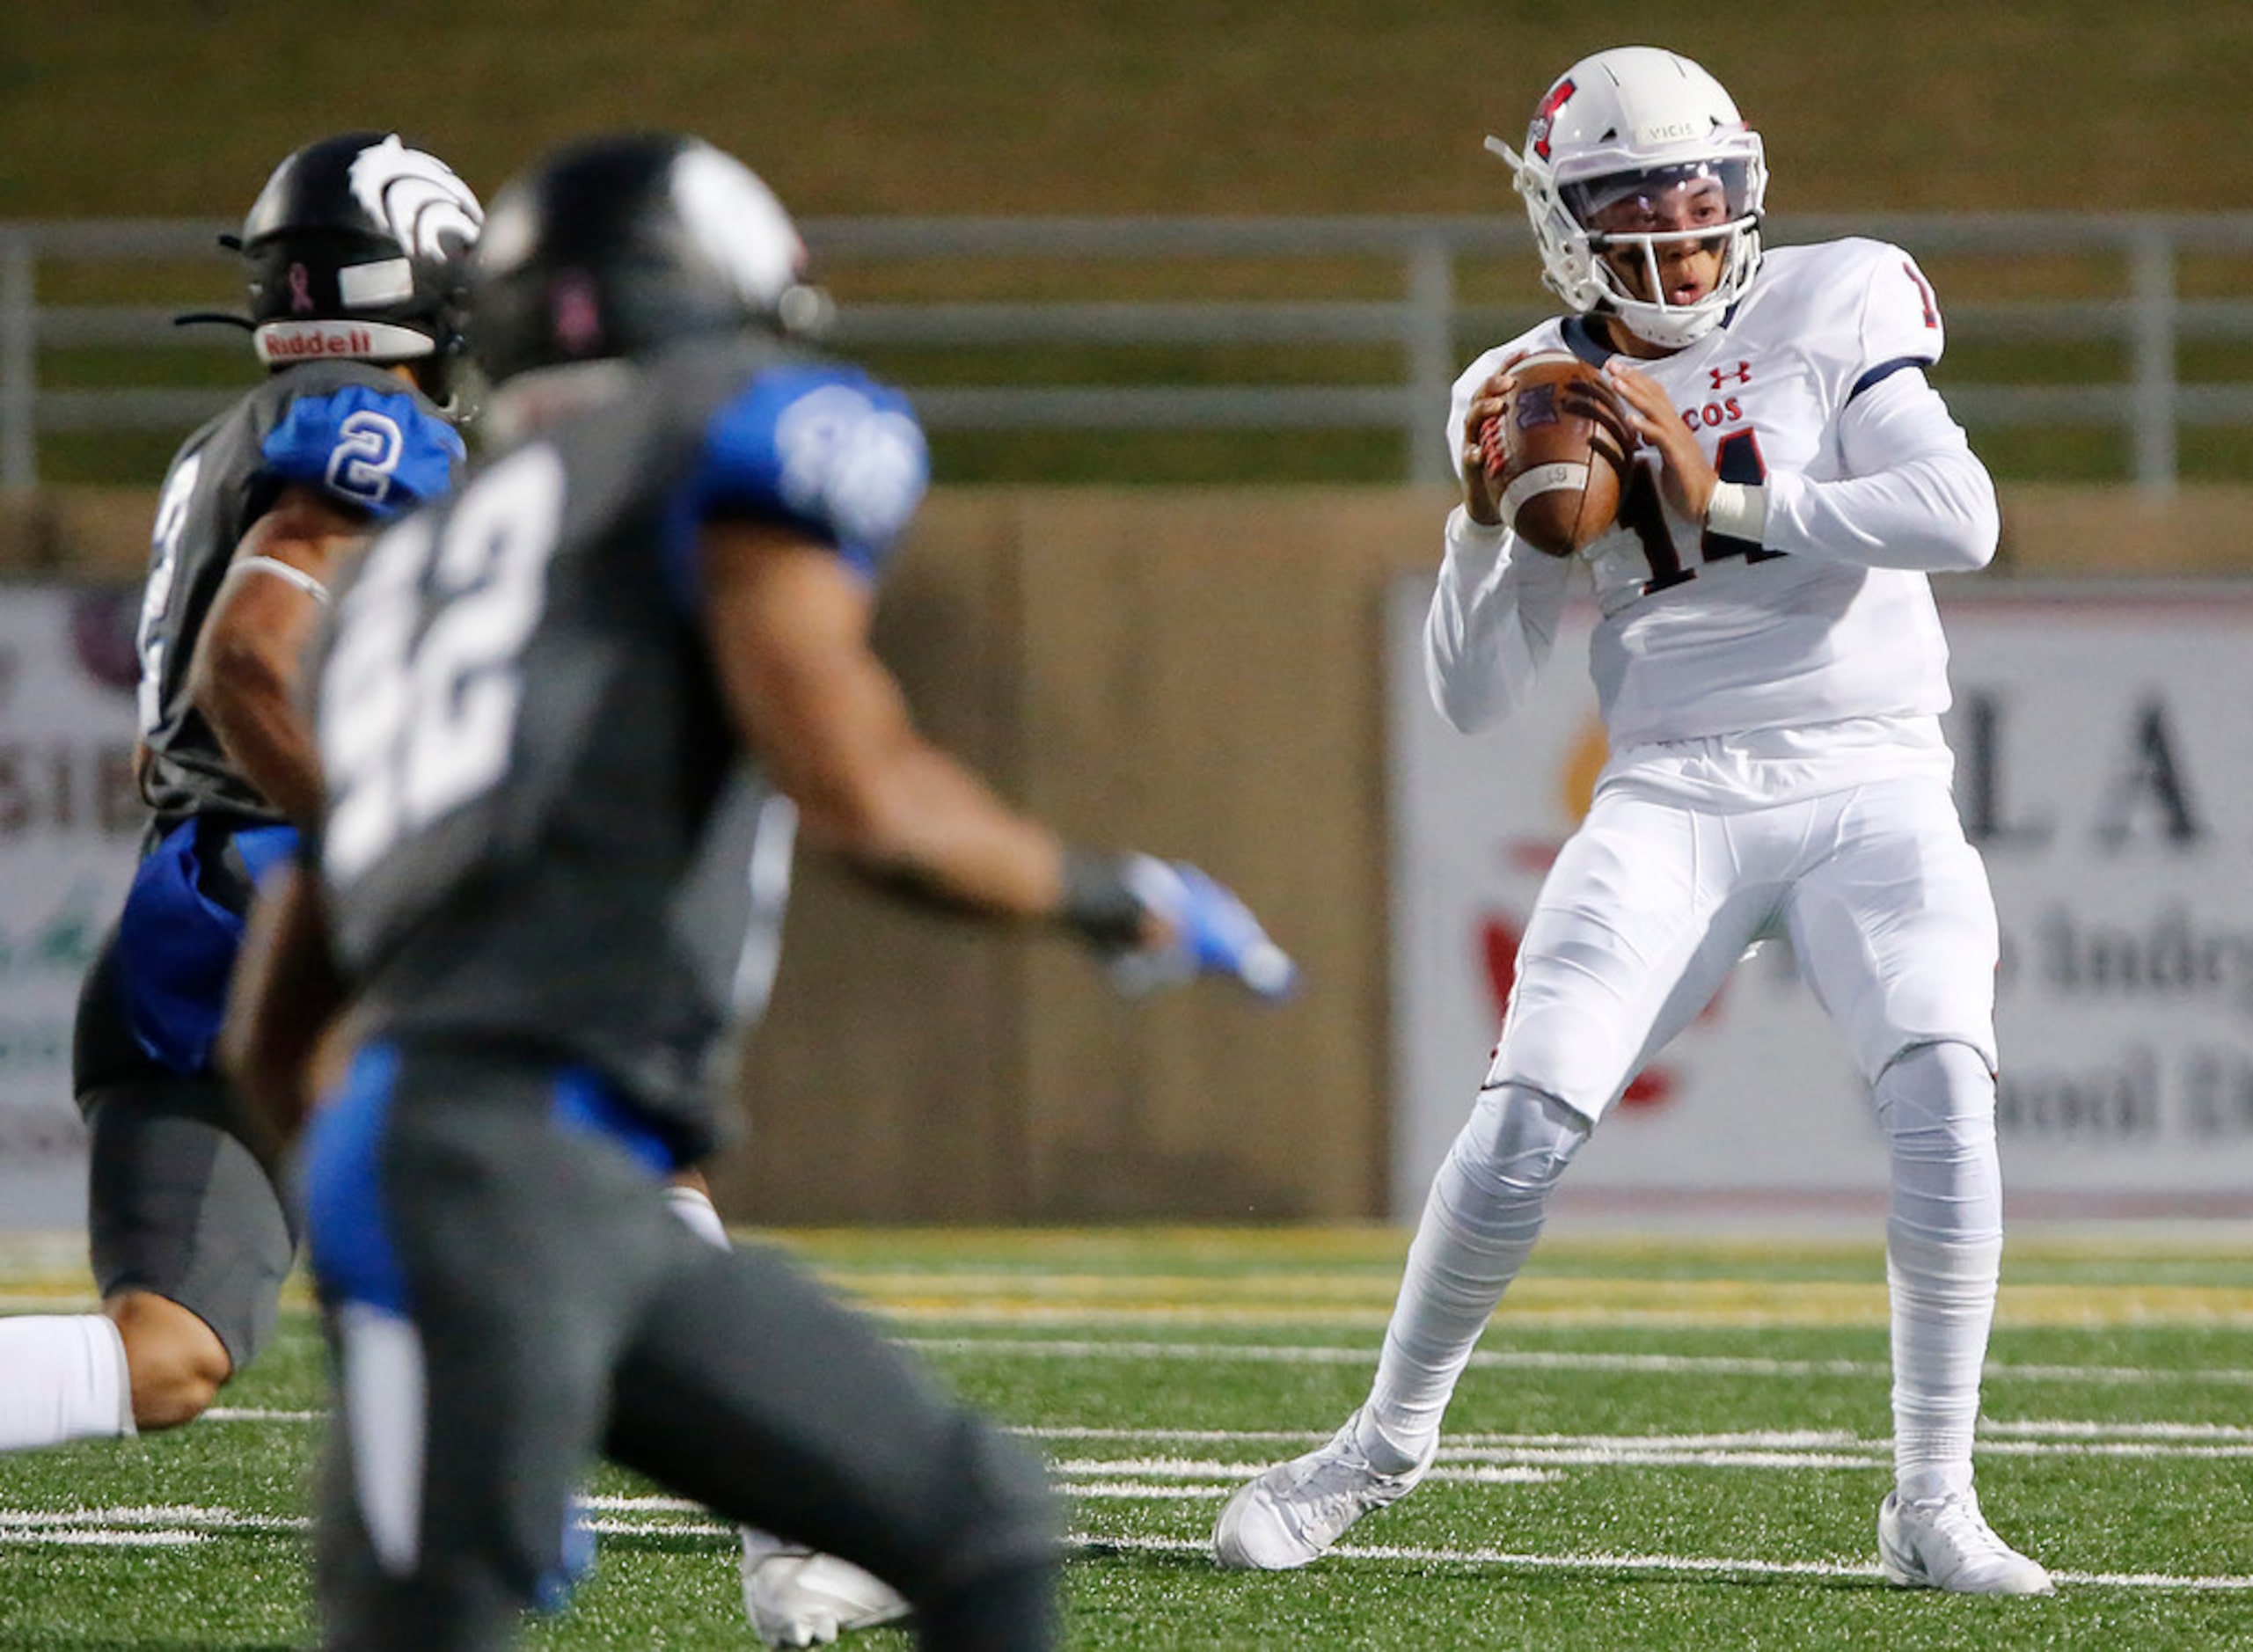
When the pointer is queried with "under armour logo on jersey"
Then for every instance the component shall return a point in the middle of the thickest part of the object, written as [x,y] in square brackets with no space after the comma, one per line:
[1741,373]
[427,208]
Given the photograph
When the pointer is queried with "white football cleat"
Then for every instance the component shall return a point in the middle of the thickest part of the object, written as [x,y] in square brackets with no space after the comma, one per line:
[1295,1511]
[797,1597]
[1943,1543]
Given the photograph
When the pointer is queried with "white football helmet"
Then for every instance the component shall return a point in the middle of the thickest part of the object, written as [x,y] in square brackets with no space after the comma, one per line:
[1637,122]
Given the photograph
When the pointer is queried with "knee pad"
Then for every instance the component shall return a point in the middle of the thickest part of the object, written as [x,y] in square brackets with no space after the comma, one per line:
[1937,1105]
[1519,1140]
[1942,1092]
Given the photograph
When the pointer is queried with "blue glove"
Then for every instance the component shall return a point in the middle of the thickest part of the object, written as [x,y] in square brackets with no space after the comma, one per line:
[1214,934]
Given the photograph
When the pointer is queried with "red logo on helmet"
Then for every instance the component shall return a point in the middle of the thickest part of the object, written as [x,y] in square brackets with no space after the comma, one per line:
[1537,134]
[285,342]
[301,291]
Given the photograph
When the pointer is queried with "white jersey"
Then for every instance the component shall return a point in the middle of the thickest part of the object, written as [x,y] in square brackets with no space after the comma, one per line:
[1854,484]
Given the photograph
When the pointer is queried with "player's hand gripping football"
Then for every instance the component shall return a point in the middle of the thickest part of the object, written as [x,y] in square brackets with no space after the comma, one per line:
[1548,452]
[1481,438]
[1686,475]
[1206,931]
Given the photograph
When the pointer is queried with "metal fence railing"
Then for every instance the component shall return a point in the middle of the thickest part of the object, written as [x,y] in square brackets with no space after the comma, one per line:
[2121,288]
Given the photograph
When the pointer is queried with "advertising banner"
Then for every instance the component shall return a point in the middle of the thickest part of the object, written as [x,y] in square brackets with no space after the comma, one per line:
[2105,747]
[69,825]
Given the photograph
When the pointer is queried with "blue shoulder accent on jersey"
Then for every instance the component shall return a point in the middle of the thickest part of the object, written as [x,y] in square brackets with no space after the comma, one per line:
[1884,370]
[176,945]
[347,1228]
[822,448]
[1581,338]
[377,450]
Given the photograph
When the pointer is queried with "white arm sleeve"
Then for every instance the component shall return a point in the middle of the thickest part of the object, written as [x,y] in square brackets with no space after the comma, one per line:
[1916,495]
[1492,624]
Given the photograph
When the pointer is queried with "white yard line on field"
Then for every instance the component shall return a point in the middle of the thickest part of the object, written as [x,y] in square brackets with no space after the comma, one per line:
[155,1525]
[1163,1476]
[173,1526]
[1690,1565]
[2038,1429]
[94,1537]
[176,1526]
[1535,1359]
[1757,1448]
[2021,1438]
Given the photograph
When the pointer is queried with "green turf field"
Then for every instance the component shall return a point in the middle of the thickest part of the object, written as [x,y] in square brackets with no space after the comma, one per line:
[1662,1444]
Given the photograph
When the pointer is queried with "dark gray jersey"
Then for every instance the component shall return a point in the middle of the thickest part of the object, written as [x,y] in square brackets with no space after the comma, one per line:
[357,433]
[531,769]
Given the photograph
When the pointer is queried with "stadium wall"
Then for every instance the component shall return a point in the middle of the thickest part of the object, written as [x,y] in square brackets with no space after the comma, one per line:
[1197,673]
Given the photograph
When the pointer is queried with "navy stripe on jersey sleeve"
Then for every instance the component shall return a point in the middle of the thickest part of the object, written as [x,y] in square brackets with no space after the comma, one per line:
[374,448]
[821,448]
[1884,370]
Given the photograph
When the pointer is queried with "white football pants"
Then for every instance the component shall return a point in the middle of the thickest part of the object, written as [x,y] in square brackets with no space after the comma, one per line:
[1649,904]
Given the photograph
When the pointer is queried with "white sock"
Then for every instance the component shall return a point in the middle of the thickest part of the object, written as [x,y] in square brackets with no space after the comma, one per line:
[1944,1258]
[63,1377]
[694,1206]
[1480,1222]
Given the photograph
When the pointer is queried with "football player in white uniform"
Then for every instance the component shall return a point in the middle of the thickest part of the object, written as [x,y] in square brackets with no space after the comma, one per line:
[1771,671]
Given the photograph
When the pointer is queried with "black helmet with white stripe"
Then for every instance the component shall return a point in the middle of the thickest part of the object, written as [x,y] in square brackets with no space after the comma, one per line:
[358,246]
[619,247]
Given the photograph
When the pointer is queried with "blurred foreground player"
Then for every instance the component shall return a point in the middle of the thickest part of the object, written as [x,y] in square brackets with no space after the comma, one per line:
[1771,671]
[356,248]
[555,718]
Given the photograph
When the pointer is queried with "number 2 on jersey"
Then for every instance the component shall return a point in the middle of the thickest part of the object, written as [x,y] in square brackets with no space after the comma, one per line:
[419,698]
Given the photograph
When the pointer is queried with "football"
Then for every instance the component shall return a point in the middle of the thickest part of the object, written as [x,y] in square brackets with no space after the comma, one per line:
[1558,453]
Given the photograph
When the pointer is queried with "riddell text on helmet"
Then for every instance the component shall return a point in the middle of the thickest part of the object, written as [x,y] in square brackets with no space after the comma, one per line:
[296,343]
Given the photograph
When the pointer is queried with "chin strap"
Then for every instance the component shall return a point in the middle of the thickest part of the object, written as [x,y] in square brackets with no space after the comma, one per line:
[199,318]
